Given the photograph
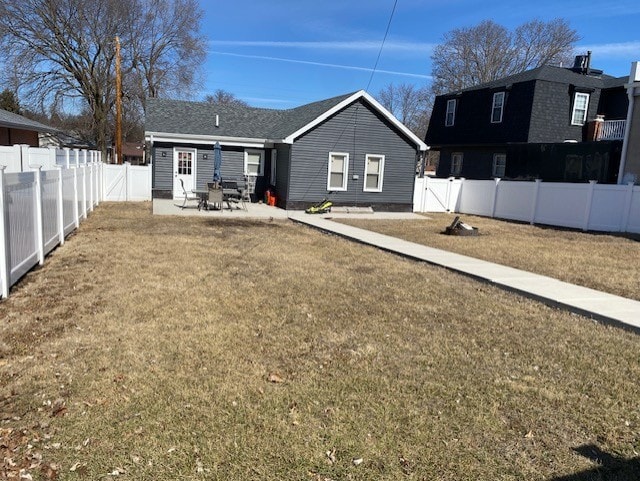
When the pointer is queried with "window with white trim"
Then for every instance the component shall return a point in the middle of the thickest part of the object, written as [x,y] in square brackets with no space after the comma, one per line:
[580,107]
[497,107]
[450,117]
[337,171]
[499,165]
[254,163]
[456,163]
[373,172]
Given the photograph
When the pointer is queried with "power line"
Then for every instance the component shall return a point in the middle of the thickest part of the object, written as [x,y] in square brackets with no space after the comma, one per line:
[386,33]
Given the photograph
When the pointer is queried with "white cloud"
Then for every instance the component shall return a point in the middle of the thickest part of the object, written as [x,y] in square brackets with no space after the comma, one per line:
[322,64]
[628,50]
[419,48]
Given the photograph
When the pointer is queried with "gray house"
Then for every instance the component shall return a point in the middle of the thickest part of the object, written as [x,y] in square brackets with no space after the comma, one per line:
[347,148]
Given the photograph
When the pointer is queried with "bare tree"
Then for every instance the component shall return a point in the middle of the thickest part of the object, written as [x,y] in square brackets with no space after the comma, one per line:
[409,104]
[223,97]
[61,52]
[488,51]
[165,49]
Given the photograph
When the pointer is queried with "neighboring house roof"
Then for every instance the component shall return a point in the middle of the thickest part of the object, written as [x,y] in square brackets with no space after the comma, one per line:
[199,119]
[15,121]
[552,73]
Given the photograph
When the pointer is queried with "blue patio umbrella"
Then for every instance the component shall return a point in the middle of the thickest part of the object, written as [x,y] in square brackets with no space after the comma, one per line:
[217,162]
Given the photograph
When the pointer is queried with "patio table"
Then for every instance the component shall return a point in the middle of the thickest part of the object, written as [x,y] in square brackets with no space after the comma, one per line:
[203,195]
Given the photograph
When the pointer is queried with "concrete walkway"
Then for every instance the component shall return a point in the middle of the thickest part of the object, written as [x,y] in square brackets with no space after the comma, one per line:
[593,304]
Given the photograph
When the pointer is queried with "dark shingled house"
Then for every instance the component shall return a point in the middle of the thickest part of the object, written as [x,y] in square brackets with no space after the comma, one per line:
[348,148]
[552,123]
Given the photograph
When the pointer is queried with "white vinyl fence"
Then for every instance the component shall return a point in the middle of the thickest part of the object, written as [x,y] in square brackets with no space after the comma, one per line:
[592,206]
[46,193]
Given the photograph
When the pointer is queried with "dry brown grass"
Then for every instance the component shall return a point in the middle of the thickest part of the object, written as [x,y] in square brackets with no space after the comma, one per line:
[145,345]
[606,262]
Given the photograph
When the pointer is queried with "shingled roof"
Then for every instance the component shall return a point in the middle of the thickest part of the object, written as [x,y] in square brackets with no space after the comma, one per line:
[552,73]
[15,121]
[199,118]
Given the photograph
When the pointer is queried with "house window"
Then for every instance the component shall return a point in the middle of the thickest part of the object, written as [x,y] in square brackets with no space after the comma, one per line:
[373,170]
[254,163]
[497,108]
[580,107]
[456,163]
[499,165]
[451,113]
[338,169]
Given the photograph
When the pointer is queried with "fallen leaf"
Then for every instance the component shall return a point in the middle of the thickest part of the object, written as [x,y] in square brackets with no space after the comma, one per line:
[331,456]
[529,435]
[357,461]
[273,377]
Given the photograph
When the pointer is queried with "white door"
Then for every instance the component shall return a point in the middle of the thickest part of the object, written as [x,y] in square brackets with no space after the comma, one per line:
[184,168]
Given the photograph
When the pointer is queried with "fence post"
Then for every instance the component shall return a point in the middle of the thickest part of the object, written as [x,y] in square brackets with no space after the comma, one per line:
[97,179]
[589,203]
[53,157]
[76,213]
[60,202]
[626,211]
[127,172]
[39,220]
[83,169]
[534,203]
[5,254]
[495,197]
[66,157]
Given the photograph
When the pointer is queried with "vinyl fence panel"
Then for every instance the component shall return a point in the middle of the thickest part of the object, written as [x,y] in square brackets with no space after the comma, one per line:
[50,229]
[515,200]
[21,214]
[609,208]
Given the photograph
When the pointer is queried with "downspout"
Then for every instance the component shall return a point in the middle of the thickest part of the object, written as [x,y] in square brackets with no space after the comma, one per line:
[627,126]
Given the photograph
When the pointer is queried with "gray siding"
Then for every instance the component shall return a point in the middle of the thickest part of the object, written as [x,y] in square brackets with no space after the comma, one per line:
[162,168]
[358,130]
[162,178]
[232,163]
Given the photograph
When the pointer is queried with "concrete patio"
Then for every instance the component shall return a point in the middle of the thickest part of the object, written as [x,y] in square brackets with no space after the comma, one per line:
[263,211]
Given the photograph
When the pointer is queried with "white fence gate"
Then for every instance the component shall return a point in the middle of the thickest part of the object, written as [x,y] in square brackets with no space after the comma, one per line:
[592,206]
[46,193]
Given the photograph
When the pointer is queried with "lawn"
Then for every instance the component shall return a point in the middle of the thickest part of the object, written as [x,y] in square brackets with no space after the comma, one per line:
[165,348]
[606,262]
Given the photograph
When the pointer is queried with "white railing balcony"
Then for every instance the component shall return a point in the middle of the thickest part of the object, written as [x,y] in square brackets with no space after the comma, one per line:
[612,130]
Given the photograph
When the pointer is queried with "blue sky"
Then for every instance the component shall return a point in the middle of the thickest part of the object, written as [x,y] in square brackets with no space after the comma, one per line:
[284,53]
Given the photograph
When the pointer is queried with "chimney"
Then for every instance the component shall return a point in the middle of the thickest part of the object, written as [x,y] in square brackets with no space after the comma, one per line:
[588,62]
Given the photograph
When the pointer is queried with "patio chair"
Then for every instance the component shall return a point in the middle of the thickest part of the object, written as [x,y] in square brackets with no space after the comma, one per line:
[215,196]
[232,193]
[187,196]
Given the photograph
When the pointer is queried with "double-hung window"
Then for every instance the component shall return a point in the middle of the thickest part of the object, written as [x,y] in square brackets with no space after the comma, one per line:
[499,165]
[254,163]
[450,117]
[338,170]
[497,108]
[373,170]
[580,107]
[456,163]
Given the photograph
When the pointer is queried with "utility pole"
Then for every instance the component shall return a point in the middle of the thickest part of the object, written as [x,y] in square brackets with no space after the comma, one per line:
[118,105]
